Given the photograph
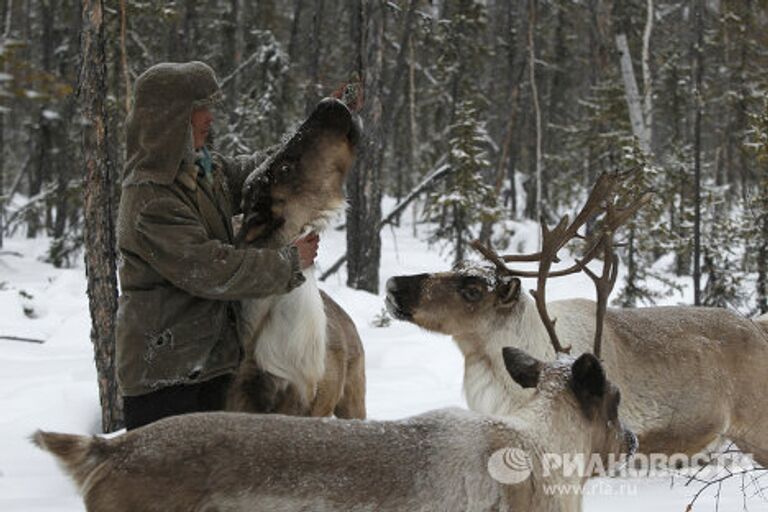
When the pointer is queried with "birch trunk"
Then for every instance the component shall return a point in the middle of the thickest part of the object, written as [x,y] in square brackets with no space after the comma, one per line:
[632,94]
[647,78]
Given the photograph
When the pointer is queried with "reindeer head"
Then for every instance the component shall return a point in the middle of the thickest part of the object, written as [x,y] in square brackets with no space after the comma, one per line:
[575,396]
[469,299]
[301,185]
[473,299]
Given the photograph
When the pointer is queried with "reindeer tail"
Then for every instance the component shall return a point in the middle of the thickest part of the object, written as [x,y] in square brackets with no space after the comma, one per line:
[80,456]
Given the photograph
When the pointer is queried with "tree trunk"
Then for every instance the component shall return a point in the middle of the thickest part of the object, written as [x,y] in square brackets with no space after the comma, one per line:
[39,175]
[411,134]
[458,231]
[536,107]
[98,203]
[395,90]
[364,183]
[762,259]
[393,105]
[293,42]
[697,154]
[288,89]
[2,167]
[632,94]
[2,171]
[231,56]
[314,49]
[6,18]
[517,64]
[647,78]
[124,52]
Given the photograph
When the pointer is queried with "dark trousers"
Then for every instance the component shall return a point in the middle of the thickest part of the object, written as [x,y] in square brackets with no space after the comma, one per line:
[173,400]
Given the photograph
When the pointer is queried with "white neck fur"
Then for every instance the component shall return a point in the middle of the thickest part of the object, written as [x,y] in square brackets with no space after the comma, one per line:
[288,335]
[488,387]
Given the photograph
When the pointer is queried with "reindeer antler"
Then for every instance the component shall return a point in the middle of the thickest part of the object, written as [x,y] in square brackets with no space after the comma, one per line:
[604,283]
[545,261]
[554,240]
[601,199]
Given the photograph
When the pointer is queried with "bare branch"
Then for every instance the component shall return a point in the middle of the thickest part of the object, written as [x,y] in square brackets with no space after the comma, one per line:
[250,60]
[20,338]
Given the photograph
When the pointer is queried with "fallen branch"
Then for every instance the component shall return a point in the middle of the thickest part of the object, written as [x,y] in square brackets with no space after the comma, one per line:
[435,176]
[19,338]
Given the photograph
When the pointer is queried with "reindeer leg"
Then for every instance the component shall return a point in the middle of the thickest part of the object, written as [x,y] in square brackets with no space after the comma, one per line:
[330,389]
[253,390]
[753,438]
[352,403]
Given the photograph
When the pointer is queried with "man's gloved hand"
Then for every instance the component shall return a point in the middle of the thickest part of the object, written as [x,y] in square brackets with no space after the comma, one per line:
[307,247]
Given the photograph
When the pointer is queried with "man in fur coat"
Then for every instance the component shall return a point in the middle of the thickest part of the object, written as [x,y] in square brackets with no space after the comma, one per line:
[180,275]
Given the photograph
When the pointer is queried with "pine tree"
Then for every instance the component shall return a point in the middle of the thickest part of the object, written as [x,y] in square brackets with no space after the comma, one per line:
[721,253]
[757,208]
[648,235]
[258,117]
[467,200]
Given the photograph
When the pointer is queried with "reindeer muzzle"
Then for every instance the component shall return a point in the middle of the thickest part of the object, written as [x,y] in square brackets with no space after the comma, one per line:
[403,293]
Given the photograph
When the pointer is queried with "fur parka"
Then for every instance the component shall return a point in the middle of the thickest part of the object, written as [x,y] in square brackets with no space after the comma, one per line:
[181,276]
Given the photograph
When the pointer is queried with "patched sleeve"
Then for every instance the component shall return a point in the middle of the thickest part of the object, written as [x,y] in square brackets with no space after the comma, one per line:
[237,169]
[178,247]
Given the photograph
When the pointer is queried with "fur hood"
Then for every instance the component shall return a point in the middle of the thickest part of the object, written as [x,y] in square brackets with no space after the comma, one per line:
[159,134]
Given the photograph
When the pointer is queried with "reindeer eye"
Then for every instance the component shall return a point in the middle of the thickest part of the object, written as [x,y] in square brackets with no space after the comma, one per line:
[472,293]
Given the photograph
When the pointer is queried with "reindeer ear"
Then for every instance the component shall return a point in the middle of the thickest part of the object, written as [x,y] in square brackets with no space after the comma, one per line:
[588,375]
[508,290]
[588,382]
[524,369]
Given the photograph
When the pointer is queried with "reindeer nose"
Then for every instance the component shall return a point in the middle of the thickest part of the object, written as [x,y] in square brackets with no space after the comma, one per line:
[403,295]
[406,286]
[393,305]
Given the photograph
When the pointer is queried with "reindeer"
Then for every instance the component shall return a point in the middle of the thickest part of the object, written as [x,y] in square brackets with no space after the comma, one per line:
[444,460]
[690,375]
[303,354]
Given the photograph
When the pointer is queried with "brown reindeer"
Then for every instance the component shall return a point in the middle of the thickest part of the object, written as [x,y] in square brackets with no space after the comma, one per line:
[690,375]
[442,461]
[303,355]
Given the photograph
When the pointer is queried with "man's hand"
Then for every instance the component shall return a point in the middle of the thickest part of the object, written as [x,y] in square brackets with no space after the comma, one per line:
[307,247]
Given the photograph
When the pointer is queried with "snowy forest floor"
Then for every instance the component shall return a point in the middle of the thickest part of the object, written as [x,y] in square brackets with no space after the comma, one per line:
[409,371]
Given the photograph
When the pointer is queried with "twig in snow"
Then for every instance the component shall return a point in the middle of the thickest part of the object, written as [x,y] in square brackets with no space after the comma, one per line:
[19,338]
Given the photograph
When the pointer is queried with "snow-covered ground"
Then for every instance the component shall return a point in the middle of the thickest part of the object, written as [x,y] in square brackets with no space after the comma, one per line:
[53,385]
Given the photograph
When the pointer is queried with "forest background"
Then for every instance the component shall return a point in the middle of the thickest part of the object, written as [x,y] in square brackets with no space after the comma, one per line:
[477,114]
